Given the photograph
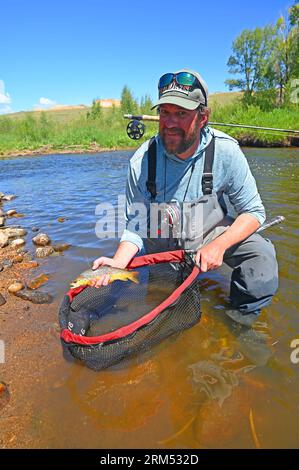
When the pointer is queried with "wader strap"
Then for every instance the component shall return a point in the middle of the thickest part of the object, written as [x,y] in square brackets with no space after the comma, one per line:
[207,176]
[152,162]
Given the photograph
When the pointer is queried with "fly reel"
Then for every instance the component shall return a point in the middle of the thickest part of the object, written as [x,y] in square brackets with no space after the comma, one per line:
[135,129]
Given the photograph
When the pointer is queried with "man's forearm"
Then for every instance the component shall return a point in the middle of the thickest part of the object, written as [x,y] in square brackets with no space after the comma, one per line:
[243,227]
[124,253]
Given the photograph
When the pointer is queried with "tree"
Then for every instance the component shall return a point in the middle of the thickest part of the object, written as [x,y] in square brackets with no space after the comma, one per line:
[128,103]
[145,104]
[251,52]
[96,110]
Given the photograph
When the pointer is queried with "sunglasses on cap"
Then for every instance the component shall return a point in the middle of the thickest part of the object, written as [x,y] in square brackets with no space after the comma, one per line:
[182,78]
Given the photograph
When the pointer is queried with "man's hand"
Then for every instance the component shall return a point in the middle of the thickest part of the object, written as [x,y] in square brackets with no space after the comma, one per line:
[103,261]
[124,253]
[210,256]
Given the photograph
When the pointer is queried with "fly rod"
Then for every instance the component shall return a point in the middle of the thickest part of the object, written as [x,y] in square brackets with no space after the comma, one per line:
[136,128]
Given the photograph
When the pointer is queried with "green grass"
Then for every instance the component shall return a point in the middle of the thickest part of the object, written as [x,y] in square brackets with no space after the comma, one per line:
[70,130]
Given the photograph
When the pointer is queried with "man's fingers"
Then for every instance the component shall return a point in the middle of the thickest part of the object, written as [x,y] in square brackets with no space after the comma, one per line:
[97,263]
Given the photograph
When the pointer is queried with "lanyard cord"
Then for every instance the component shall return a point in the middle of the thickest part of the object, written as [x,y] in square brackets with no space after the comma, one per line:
[188,184]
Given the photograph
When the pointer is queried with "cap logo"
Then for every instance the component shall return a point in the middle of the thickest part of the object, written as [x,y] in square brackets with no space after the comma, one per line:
[174,86]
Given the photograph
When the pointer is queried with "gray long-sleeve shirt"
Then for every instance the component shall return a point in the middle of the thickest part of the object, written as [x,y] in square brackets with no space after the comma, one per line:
[232,180]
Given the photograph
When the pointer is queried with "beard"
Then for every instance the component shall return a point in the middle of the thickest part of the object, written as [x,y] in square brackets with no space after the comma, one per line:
[177,141]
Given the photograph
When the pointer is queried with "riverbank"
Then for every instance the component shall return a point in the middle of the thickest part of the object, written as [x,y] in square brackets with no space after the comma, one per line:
[245,141]
[45,133]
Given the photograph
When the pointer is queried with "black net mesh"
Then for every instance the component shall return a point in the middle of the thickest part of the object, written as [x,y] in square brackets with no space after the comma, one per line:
[104,310]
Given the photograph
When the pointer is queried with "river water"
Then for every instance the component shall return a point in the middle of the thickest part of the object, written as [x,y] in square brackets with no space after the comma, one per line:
[215,385]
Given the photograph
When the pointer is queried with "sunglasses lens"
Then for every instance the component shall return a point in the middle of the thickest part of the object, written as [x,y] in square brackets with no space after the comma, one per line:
[185,78]
[165,80]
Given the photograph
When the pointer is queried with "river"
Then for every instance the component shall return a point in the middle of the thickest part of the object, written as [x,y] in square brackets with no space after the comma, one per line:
[212,386]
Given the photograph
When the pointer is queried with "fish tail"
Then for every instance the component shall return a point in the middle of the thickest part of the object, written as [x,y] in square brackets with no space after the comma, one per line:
[133,276]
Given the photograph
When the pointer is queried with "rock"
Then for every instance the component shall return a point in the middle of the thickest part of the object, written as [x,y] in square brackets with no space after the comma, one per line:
[1,267]
[2,300]
[6,263]
[18,258]
[35,296]
[11,212]
[29,264]
[15,287]
[41,239]
[1,195]
[8,197]
[38,281]
[61,247]
[35,229]
[3,239]
[17,243]
[14,232]
[2,221]
[43,252]
[2,213]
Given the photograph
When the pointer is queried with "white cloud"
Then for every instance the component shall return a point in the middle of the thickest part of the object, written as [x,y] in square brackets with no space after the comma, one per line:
[45,103]
[4,97]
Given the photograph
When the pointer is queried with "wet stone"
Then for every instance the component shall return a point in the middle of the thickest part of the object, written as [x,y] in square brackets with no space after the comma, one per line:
[3,240]
[41,239]
[35,229]
[35,297]
[15,287]
[61,247]
[2,221]
[43,252]
[6,263]
[17,243]
[11,212]
[2,300]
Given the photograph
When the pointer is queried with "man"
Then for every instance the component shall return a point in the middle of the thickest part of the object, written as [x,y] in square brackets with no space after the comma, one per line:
[199,165]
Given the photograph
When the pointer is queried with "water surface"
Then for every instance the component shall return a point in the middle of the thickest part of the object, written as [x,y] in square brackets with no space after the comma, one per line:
[201,389]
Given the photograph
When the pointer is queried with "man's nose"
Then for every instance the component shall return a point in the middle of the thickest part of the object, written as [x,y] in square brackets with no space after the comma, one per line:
[171,121]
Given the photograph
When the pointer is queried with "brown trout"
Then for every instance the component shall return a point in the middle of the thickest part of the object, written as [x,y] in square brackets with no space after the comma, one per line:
[87,277]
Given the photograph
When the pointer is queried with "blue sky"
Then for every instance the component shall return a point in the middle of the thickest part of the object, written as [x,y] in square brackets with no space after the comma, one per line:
[69,52]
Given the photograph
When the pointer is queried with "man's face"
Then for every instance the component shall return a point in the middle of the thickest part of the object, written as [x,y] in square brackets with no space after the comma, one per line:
[179,127]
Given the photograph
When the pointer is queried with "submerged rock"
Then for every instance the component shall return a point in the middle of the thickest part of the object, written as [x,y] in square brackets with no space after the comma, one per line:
[38,281]
[2,300]
[42,239]
[61,247]
[35,229]
[11,212]
[35,297]
[8,197]
[43,252]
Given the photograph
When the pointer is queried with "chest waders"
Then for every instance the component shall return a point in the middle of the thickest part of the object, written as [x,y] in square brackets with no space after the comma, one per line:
[201,220]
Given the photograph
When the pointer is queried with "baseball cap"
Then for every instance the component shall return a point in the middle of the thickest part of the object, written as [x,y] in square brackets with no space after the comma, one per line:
[184,88]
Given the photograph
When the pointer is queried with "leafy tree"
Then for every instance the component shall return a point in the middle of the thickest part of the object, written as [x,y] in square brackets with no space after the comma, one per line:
[96,110]
[146,104]
[251,52]
[128,103]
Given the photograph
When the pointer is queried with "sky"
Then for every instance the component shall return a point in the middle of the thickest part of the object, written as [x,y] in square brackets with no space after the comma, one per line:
[69,52]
